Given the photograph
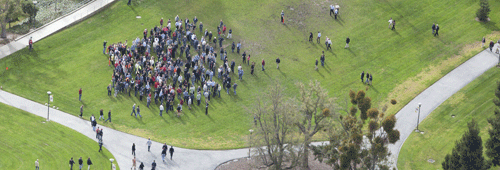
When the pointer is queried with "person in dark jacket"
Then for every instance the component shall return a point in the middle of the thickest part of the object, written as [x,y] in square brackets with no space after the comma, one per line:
[171,151]
[71,162]
[141,166]
[133,149]
[362,75]
[80,162]
[109,117]
[322,59]
[310,36]
[491,45]
[347,41]
[278,61]
[153,165]
[89,162]
[437,30]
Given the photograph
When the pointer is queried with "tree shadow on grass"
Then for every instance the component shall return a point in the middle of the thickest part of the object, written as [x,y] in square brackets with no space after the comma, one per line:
[490,25]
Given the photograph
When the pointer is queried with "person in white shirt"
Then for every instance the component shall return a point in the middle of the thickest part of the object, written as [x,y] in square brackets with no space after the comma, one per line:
[161,114]
[319,37]
[332,8]
[149,139]
[390,23]
[37,167]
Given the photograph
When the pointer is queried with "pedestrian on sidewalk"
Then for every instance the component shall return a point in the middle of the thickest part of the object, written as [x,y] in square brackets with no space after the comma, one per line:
[153,165]
[37,167]
[93,122]
[80,94]
[80,162]
[133,149]
[133,111]
[164,151]
[89,162]
[100,133]
[149,144]
[133,164]
[347,41]
[71,162]
[141,166]
[109,117]
[81,111]
[31,43]
[171,151]
[491,46]
[97,133]
[278,63]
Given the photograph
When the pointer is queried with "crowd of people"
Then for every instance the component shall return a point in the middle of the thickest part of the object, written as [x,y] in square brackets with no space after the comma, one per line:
[174,65]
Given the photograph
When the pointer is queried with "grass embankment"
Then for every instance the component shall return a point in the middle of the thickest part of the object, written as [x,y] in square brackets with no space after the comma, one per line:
[73,59]
[26,137]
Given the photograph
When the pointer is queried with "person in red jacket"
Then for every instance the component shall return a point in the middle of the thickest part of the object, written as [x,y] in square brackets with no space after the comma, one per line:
[31,43]
[80,94]
[263,64]
[161,22]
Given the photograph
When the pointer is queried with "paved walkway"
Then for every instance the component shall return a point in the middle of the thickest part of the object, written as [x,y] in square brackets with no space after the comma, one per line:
[436,94]
[120,143]
[52,27]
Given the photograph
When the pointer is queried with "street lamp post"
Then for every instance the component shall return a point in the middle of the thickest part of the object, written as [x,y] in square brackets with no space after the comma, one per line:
[418,118]
[111,160]
[48,105]
[251,130]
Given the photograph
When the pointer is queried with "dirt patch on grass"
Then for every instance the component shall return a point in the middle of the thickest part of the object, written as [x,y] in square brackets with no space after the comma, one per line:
[407,90]
[256,164]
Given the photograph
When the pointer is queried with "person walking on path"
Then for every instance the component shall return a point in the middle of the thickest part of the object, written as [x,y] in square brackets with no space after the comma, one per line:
[433,28]
[141,166]
[278,63]
[171,151]
[483,41]
[149,144]
[437,30]
[362,75]
[322,58]
[318,38]
[316,65]
[30,42]
[347,41]
[161,110]
[89,162]
[133,149]
[93,122]
[263,64]
[80,162]
[393,24]
[80,94]
[134,164]
[133,111]
[37,167]
[109,117]
[153,165]
[71,162]
[390,23]
[164,152]
[282,17]
[492,44]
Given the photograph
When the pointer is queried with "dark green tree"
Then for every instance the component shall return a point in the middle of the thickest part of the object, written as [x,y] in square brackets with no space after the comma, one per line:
[483,11]
[30,9]
[493,143]
[468,151]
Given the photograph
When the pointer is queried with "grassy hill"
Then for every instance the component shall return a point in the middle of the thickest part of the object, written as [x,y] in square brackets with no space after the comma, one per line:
[403,62]
[26,137]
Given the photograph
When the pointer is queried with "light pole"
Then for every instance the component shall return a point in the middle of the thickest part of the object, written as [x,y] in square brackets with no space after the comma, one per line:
[111,160]
[48,105]
[251,130]
[418,118]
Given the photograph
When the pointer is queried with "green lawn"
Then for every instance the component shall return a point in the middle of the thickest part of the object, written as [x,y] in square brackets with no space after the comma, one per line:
[72,58]
[474,101]
[26,137]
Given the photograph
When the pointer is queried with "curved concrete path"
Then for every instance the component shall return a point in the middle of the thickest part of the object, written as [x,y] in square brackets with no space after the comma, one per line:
[120,143]
[437,93]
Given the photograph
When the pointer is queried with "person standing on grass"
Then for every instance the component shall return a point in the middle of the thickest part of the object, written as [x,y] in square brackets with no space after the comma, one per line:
[37,167]
[109,117]
[318,38]
[161,22]
[390,23]
[282,17]
[149,144]
[371,78]
[347,41]
[93,122]
[252,68]
[71,162]
[206,108]
[161,110]
[129,2]
[89,162]
[483,41]
[109,90]
[198,98]
[278,63]
[263,64]
[316,65]
[101,114]
[233,46]
[393,24]
[100,145]
[139,112]
[80,162]
[234,88]
[80,94]
[104,50]
[201,27]
[171,151]
[367,78]
[331,9]
[310,36]
[492,44]
[433,28]
[230,34]
[133,111]
[322,58]
[238,47]
[362,75]
[437,30]
[133,149]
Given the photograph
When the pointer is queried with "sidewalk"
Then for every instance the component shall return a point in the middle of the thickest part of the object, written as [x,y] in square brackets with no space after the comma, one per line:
[120,143]
[53,27]
[437,93]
